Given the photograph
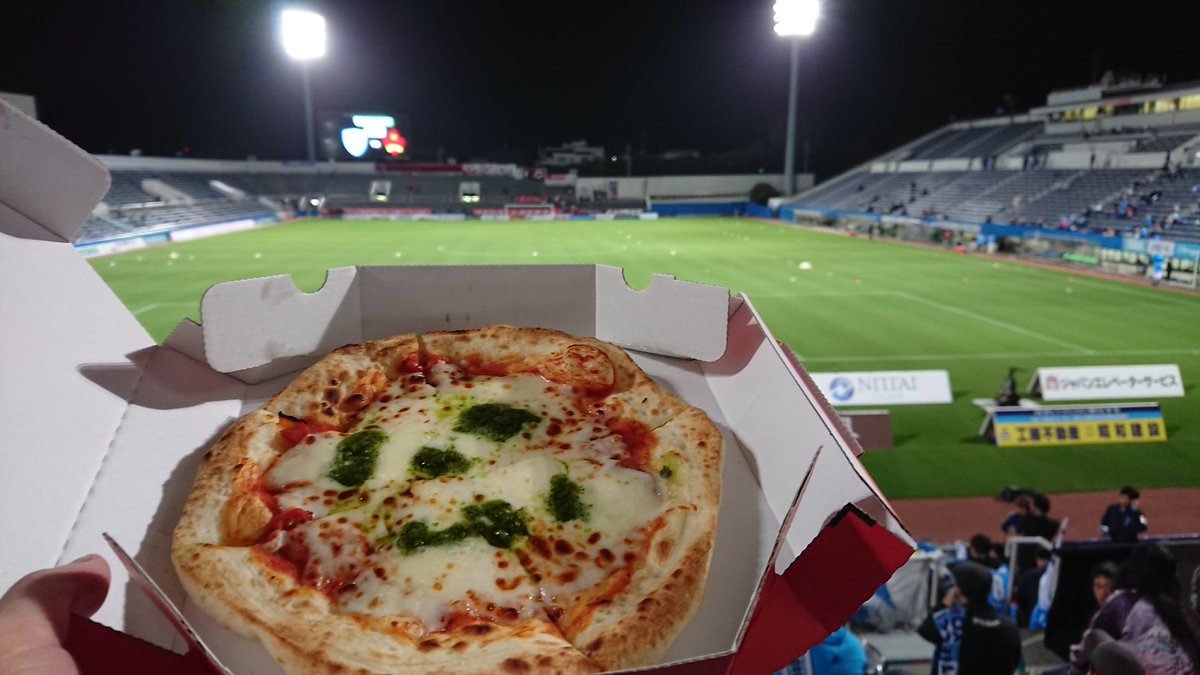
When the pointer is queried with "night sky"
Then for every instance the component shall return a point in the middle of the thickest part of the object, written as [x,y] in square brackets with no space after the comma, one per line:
[496,79]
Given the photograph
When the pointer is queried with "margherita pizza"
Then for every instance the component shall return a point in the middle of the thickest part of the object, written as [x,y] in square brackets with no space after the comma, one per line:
[497,500]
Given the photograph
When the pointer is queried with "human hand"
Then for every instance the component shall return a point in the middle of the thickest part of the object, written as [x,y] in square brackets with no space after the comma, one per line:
[36,612]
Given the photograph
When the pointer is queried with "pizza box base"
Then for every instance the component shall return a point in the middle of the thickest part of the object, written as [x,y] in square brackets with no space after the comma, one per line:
[118,422]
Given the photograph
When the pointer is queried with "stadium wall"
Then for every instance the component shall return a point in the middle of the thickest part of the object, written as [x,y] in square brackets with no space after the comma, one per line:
[657,187]
[187,164]
[130,242]
[702,208]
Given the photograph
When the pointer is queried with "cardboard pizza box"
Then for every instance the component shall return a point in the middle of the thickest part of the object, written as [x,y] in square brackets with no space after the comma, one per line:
[112,425]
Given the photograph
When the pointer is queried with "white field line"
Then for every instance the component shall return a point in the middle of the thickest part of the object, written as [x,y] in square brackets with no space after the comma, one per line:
[1104,284]
[997,355]
[994,322]
[817,294]
[155,305]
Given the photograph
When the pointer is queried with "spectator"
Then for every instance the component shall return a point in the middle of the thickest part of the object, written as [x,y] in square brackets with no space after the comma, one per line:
[1105,656]
[1023,509]
[1124,521]
[968,635]
[841,653]
[1026,594]
[1146,615]
[981,551]
[1104,578]
[1035,523]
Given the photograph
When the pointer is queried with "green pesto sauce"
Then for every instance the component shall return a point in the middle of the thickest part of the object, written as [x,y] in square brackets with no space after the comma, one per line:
[416,535]
[354,461]
[430,462]
[495,521]
[494,421]
[564,499]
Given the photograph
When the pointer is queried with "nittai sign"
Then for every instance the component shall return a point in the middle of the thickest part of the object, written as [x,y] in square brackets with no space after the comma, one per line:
[885,387]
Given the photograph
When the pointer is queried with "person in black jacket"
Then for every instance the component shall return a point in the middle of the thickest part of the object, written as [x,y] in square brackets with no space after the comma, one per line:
[1124,521]
[969,637]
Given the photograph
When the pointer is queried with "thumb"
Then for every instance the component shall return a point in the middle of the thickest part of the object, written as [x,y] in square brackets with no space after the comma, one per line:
[36,611]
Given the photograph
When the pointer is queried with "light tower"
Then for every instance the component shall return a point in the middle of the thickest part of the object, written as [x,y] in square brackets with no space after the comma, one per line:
[794,19]
[303,34]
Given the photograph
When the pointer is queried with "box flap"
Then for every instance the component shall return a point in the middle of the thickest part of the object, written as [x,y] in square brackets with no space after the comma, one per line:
[178,410]
[262,322]
[839,571]
[670,317]
[782,426]
[48,185]
[61,331]
[255,321]
[454,297]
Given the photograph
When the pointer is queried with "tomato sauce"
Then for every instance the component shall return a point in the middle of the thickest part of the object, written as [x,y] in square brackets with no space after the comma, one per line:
[289,519]
[638,439]
[473,365]
[294,431]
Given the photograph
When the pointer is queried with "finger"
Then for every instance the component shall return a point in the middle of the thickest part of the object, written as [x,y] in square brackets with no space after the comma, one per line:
[39,606]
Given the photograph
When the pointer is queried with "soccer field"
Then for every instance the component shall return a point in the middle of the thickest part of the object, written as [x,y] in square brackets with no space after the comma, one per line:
[857,305]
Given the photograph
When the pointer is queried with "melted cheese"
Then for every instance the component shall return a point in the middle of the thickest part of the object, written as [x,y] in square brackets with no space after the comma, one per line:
[428,584]
[310,459]
[522,483]
[468,575]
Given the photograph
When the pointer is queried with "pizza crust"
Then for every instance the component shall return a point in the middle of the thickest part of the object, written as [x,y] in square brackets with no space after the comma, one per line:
[295,623]
[296,626]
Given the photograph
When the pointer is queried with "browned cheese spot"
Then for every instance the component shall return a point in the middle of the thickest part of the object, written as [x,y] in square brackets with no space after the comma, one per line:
[516,666]
[540,547]
[664,548]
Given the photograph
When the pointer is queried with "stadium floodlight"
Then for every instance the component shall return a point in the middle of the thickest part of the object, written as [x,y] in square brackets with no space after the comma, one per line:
[303,34]
[794,19]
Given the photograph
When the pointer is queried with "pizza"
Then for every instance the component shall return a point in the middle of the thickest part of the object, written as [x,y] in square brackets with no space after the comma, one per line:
[495,500]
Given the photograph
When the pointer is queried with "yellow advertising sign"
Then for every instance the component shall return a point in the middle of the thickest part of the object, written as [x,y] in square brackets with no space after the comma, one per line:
[1083,425]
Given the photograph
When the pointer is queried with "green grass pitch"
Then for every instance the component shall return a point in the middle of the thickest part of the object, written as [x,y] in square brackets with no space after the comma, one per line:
[862,305]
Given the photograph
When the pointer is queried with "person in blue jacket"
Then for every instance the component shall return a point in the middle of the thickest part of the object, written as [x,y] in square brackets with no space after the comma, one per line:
[841,653]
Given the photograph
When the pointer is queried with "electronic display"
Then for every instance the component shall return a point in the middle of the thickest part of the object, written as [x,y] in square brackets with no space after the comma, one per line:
[368,137]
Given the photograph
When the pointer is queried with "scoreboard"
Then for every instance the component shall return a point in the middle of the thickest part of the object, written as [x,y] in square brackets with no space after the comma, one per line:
[367,137]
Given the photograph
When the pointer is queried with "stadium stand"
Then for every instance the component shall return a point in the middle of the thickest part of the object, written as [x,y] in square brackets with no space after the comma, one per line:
[146,200]
[974,141]
[1116,166]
